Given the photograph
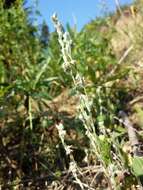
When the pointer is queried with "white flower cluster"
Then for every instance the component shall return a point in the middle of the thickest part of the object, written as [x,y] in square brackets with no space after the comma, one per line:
[62,134]
[84,103]
[65,43]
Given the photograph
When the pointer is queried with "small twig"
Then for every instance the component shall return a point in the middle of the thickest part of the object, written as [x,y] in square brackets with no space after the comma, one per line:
[135,100]
[126,53]
[118,6]
[131,133]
